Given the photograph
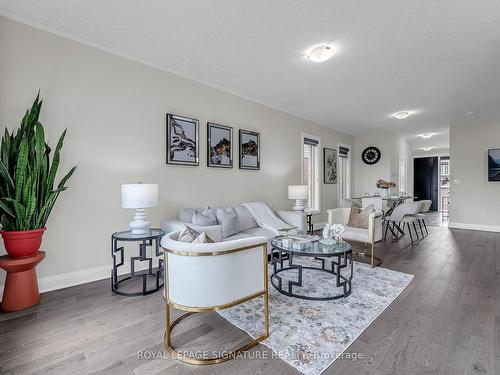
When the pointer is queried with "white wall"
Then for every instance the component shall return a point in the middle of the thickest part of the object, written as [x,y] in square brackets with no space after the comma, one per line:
[475,202]
[392,148]
[114,110]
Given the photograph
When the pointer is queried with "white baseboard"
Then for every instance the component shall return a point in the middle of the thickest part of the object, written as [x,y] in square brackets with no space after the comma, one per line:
[65,280]
[481,227]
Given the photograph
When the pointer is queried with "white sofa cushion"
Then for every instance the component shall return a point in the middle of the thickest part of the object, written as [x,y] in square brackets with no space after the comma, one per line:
[186,214]
[226,217]
[207,217]
[245,218]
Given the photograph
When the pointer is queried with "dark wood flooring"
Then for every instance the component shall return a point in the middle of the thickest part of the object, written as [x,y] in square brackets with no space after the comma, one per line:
[447,321]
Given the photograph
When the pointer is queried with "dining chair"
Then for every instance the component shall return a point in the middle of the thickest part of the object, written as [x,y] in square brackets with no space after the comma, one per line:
[404,215]
[425,206]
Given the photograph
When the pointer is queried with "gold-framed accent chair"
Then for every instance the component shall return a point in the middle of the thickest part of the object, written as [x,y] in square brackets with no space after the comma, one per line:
[204,277]
[368,236]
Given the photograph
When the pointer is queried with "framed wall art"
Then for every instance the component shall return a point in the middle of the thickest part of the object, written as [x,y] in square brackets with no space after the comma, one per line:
[182,140]
[219,145]
[329,166]
[249,150]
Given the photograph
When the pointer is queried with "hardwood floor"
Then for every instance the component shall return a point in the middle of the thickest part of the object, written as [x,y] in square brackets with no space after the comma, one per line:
[447,321]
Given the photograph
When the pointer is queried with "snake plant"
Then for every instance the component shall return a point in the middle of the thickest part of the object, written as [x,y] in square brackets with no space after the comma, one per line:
[27,191]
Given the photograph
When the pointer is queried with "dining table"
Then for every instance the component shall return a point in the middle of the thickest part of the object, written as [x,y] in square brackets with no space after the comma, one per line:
[392,201]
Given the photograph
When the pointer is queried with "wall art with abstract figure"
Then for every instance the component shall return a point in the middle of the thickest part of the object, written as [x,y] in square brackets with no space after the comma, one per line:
[494,164]
[182,140]
[249,150]
[329,166]
[219,146]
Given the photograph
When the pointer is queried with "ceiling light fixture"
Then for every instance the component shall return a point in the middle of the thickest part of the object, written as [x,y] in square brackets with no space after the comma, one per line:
[426,135]
[470,113]
[320,54]
[401,115]
[427,148]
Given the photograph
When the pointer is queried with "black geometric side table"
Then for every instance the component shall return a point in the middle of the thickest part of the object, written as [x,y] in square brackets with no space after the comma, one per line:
[152,238]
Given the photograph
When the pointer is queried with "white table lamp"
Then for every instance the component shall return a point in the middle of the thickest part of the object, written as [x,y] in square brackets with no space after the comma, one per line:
[139,196]
[299,193]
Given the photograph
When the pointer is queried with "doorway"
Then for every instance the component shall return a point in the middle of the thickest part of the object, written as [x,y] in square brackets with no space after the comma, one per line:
[426,180]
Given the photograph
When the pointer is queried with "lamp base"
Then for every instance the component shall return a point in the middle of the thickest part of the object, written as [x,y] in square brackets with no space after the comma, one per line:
[140,224]
[299,205]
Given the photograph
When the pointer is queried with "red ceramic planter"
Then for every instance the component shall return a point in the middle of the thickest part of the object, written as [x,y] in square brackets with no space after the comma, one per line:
[21,243]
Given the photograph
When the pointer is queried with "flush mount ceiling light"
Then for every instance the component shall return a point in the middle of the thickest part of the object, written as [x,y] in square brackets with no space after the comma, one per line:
[470,113]
[320,54]
[427,148]
[426,135]
[401,115]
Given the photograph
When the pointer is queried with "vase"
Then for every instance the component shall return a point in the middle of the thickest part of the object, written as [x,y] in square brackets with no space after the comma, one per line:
[22,243]
[384,192]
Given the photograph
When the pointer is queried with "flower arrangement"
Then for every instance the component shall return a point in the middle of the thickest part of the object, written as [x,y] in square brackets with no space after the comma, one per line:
[382,184]
[332,234]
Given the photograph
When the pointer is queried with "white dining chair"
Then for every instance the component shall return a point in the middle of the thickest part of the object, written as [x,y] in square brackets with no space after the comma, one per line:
[404,215]
[425,206]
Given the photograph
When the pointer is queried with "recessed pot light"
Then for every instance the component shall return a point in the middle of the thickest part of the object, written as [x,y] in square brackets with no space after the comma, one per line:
[401,115]
[320,54]
[427,148]
[426,135]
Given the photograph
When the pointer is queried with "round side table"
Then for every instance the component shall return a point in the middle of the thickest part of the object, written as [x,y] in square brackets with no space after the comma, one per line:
[21,285]
[152,238]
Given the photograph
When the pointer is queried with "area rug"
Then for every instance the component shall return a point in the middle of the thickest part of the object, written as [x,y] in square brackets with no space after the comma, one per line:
[311,335]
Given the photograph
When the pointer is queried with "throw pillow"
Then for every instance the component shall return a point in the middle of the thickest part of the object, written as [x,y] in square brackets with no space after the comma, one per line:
[185,236]
[202,238]
[207,217]
[228,221]
[358,218]
[195,234]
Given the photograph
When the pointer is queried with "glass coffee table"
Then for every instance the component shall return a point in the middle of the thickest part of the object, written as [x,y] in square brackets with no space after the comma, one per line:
[335,260]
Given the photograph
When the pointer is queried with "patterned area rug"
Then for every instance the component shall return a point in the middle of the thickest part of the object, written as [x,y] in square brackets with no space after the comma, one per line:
[311,335]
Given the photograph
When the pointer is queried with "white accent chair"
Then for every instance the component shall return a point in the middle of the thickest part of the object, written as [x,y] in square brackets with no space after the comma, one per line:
[202,277]
[404,214]
[367,236]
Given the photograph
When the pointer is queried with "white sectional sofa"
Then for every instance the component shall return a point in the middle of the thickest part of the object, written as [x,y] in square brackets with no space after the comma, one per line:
[247,226]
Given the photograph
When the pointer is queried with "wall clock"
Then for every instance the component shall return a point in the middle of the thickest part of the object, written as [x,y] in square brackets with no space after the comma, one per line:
[371,155]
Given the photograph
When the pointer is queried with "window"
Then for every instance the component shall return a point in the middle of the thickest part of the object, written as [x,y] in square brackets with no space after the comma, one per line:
[311,171]
[343,174]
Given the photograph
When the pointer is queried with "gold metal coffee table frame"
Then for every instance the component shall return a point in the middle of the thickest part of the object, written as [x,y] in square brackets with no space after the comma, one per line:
[190,310]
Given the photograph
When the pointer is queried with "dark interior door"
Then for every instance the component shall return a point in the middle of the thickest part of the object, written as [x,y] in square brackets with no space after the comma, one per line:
[426,179]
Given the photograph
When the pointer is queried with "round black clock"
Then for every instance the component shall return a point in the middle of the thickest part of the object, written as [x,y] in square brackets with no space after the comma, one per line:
[371,155]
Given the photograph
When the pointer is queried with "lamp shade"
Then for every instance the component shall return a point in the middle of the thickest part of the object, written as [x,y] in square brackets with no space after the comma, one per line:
[297,191]
[139,195]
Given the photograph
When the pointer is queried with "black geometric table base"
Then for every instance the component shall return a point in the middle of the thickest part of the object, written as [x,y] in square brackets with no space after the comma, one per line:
[152,239]
[338,263]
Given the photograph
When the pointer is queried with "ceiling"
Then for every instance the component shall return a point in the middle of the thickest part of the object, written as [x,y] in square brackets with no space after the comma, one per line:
[438,59]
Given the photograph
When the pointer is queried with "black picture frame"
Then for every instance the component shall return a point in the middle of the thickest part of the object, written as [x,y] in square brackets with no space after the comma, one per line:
[329,170]
[180,142]
[248,151]
[215,158]
[494,165]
